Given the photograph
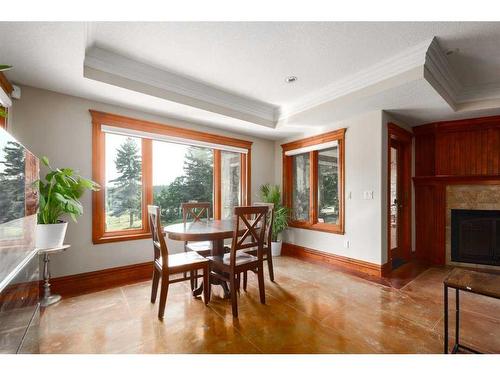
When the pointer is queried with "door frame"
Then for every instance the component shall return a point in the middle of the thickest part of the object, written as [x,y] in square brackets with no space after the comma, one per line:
[404,138]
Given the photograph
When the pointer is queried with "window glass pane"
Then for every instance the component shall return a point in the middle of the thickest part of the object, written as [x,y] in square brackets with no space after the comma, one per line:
[181,173]
[123,191]
[230,182]
[300,191]
[394,198]
[328,185]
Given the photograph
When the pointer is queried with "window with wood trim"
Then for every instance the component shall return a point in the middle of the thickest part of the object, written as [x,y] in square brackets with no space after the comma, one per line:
[313,181]
[140,162]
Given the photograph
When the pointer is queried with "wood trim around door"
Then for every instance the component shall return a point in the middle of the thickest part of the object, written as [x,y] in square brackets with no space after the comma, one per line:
[404,138]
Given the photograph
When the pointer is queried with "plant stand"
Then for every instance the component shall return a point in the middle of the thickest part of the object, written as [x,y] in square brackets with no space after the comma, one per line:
[48,298]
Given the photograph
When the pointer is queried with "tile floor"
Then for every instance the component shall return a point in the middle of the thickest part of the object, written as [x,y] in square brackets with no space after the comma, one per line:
[310,309]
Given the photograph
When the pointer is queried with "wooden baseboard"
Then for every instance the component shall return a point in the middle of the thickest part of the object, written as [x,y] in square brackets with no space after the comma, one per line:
[89,282]
[338,261]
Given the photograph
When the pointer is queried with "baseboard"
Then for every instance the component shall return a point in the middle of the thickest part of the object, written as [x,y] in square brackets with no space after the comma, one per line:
[328,259]
[89,282]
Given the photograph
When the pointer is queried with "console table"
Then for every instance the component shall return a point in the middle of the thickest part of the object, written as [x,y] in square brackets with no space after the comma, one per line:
[482,283]
[48,298]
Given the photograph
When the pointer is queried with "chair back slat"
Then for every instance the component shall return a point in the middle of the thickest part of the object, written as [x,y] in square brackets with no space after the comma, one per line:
[268,236]
[195,211]
[159,245]
[249,230]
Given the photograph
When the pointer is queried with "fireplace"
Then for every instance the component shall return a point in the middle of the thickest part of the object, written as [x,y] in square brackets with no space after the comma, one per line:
[475,236]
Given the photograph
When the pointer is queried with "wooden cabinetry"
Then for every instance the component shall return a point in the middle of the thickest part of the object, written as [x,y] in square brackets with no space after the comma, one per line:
[454,152]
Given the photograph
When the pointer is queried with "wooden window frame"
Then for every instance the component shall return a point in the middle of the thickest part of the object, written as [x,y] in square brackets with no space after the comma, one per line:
[99,235]
[312,223]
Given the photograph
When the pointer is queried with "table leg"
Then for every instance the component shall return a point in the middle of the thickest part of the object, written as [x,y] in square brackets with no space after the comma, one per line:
[457,320]
[445,319]
[48,298]
[217,249]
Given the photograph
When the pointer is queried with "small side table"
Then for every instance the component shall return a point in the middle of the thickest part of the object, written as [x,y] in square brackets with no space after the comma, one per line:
[48,298]
[482,283]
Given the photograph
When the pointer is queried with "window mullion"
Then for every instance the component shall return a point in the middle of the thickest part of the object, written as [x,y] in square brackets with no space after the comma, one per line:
[147,180]
[217,209]
[313,187]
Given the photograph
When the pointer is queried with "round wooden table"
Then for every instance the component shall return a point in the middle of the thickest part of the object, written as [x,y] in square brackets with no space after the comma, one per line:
[210,230]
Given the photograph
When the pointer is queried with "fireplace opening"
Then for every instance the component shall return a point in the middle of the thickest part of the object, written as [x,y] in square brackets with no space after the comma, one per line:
[475,236]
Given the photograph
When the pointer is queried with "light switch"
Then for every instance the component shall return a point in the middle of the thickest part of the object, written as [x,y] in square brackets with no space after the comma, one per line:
[346,244]
[368,194]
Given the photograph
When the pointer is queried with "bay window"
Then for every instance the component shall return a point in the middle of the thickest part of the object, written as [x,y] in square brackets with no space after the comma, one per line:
[313,182]
[139,163]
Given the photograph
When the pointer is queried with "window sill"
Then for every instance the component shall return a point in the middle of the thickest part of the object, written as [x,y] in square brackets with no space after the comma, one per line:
[120,237]
[320,227]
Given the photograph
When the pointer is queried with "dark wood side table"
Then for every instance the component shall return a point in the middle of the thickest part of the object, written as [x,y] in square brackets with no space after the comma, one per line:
[482,283]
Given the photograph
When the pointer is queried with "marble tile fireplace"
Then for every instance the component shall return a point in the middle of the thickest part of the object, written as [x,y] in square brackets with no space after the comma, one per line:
[473,225]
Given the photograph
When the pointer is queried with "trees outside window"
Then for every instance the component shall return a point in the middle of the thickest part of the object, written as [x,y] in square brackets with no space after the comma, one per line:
[123,189]
[12,169]
[171,186]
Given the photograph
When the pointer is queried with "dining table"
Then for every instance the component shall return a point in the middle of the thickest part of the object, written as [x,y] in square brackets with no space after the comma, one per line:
[212,230]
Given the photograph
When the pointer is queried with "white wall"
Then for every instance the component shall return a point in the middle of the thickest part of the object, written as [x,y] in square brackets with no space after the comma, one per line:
[364,219]
[59,126]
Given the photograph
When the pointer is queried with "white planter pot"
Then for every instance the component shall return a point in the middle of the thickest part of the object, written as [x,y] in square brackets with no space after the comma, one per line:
[276,248]
[50,235]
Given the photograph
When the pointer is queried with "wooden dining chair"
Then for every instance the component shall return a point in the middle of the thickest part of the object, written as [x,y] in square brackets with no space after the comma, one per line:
[268,236]
[249,230]
[196,211]
[166,265]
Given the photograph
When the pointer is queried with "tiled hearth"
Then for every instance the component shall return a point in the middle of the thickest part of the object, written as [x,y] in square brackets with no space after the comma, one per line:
[479,197]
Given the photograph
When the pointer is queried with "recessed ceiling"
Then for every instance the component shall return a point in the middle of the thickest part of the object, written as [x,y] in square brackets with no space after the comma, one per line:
[251,60]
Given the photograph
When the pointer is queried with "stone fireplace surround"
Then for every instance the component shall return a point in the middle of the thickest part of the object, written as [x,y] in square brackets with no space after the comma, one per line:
[473,196]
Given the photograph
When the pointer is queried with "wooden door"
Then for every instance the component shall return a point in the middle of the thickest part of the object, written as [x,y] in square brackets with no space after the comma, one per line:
[399,194]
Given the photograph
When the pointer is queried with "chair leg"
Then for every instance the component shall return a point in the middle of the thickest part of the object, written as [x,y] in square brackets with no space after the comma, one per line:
[206,284]
[262,291]
[270,264]
[163,296]
[195,279]
[238,282]
[234,302]
[192,279]
[245,277]
[154,288]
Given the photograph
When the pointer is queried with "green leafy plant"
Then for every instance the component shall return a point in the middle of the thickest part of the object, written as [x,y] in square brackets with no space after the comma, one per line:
[60,194]
[272,194]
[3,112]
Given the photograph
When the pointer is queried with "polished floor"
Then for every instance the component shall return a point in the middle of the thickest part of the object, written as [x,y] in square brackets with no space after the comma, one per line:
[310,309]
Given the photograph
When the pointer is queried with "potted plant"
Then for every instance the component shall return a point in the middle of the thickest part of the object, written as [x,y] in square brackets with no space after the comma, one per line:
[272,194]
[59,196]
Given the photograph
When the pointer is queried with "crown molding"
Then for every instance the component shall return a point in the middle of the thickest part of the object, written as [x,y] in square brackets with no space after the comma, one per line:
[403,62]
[425,60]
[109,67]
[480,92]
[440,75]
